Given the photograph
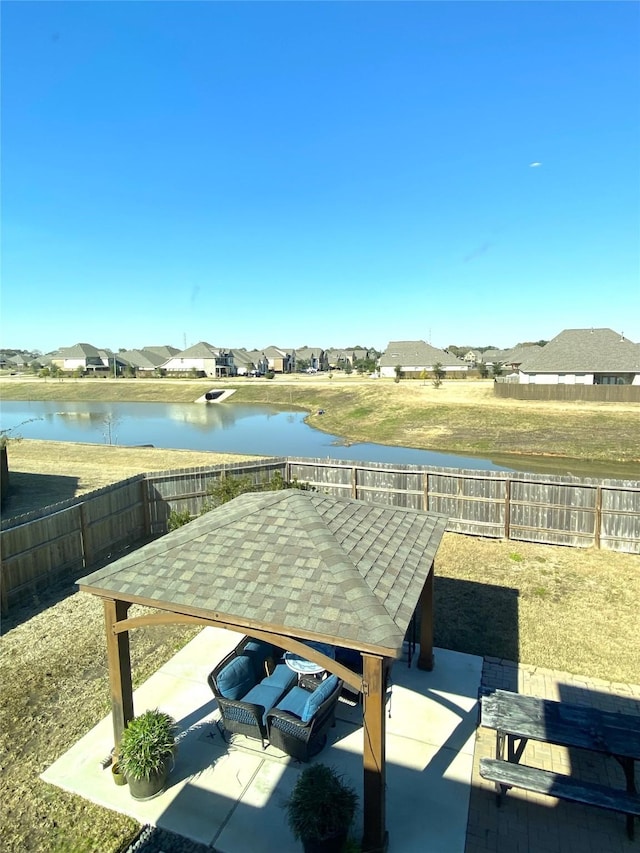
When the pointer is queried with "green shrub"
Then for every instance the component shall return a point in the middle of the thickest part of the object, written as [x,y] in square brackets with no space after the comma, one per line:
[146,744]
[178,518]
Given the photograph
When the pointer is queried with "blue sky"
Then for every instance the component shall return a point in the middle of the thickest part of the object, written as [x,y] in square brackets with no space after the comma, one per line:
[323,174]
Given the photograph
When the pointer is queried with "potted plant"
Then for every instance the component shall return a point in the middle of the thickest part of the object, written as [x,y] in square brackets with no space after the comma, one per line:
[146,753]
[321,809]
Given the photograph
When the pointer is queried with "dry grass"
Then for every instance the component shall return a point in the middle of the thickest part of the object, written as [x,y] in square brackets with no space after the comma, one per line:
[43,472]
[54,679]
[562,608]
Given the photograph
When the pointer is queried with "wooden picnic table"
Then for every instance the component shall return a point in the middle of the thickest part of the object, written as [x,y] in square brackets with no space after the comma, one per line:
[517,719]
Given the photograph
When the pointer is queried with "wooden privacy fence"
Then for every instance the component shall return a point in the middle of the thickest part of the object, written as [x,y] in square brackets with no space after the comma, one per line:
[597,393]
[71,538]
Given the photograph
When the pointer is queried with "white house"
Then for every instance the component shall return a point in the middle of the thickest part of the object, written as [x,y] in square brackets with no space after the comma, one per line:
[204,358]
[584,357]
[416,356]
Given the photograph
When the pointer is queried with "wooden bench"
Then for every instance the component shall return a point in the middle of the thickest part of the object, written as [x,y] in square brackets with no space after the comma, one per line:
[506,774]
[518,718]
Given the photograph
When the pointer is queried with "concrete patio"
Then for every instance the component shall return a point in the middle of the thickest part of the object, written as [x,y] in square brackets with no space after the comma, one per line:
[230,796]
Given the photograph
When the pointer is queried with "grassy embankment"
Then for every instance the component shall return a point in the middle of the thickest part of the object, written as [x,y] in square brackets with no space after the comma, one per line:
[459,417]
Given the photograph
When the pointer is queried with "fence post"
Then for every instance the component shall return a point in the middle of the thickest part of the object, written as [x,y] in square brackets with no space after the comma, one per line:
[144,497]
[597,522]
[425,491]
[507,508]
[84,537]
[354,482]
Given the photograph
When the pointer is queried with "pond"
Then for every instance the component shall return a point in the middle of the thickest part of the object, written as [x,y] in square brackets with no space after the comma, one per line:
[240,428]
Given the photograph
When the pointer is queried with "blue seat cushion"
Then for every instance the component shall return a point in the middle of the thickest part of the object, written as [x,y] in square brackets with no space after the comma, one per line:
[318,696]
[294,701]
[264,695]
[237,678]
[281,677]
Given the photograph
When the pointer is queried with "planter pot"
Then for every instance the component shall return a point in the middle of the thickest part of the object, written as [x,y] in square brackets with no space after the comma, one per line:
[334,844]
[146,789]
[118,777]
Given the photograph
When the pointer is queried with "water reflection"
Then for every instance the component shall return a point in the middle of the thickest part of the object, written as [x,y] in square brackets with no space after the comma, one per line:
[255,429]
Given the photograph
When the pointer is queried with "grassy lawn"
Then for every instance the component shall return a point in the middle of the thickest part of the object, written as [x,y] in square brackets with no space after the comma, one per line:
[460,417]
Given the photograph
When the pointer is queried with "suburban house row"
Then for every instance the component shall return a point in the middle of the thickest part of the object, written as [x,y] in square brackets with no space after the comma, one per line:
[574,357]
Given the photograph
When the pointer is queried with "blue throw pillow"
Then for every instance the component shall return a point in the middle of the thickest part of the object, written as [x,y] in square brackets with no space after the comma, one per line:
[237,678]
[318,696]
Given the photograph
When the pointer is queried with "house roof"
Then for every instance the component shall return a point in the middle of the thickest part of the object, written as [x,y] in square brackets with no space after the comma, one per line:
[585,351]
[519,354]
[416,353]
[78,351]
[308,352]
[164,352]
[241,356]
[143,360]
[200,350]
[274,352]
[298,563]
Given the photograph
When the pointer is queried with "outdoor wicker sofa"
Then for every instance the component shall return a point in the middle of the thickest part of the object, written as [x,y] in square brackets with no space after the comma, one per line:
[246,684]
[299,722]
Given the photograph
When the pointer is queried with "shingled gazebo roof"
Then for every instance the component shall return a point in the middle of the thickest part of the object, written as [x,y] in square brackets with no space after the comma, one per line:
[294,562]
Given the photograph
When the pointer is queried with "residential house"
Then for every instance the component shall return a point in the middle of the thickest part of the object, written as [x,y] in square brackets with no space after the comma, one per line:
[337,359]
[165,352]
[143,361]
[472,357]
[203,358]
[258,359]
[416,356]
[494,356]
[84,356]
[316,357]
[279,360]
[584,357]
[245,362]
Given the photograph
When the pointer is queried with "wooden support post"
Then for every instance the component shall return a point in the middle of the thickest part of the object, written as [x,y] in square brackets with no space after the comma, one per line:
[119,667]
[507,509]
[144,498]
[374,839]
[425,660]
[87,556]
[597,522]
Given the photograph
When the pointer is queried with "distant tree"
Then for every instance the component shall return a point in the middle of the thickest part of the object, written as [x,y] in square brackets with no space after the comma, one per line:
[365,365]
[347,368]
[398,371]
[483,370]
[423,376]
[497,369]
[302,364]
[438,374]
[78,373]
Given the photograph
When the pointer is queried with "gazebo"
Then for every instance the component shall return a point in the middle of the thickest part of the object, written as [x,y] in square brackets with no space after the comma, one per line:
[286,567]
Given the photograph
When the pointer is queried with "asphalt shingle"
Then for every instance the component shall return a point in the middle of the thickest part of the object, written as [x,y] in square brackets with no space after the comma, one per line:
[301,562]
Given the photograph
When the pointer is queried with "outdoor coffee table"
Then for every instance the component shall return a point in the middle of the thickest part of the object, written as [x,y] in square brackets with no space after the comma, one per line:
[302,666]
